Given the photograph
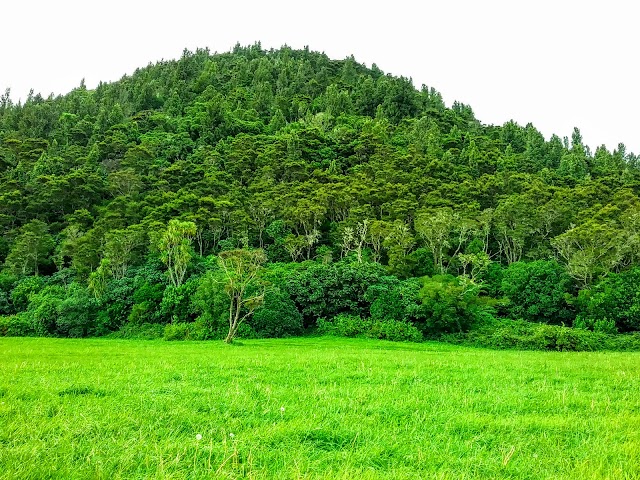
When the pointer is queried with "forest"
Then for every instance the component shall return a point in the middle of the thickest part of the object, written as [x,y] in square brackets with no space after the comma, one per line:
[268,193]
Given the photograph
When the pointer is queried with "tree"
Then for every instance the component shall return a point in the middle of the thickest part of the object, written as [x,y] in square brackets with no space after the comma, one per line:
[119,248]
[31,249]
[590,250]
[242,270]
[537,291]
[174,245]
[434,229]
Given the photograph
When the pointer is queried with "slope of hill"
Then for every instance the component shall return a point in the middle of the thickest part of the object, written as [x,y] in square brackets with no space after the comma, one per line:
[307,158]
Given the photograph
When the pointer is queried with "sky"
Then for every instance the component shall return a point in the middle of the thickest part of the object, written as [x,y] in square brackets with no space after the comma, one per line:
[557,64]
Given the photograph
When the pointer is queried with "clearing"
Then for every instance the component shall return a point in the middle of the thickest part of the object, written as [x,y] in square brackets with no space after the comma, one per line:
[313,408]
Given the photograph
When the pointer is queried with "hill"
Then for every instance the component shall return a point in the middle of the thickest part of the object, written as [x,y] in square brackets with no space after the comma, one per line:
[307,158]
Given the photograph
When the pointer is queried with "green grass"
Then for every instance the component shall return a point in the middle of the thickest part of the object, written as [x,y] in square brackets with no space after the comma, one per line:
[352,409]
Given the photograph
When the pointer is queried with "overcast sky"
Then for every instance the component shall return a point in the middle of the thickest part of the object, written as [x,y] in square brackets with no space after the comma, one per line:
[555,63]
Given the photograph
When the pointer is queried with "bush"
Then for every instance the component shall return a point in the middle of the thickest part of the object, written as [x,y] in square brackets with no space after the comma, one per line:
[399,300]
[116,303]
[538,291]
[7,283]
[77,314]
[277,317]
[145,309]
[326,290]
[395,331]
[354,326]
[177,302]
[186,331]
[522,335]
[42,309]
[211,303]
[18,325]
[451,304]
[615,299]
[23,290]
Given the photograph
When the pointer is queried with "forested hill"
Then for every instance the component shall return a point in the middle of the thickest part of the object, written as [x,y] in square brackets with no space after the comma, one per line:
[307,158]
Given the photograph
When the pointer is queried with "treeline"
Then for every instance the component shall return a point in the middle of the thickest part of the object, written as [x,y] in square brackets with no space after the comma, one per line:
[339,173]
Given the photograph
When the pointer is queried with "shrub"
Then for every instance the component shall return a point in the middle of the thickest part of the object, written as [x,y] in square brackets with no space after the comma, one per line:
[186,331]
[399,300]
[395,331]
[116,303]
[326,290]
[43,309]
[537,291]
[344,325]
[18,325]
[177,302]
[77,313]
[615,299]
[146,331]
[23,290]
[277,317]
[522,335]
[211,303]
[451,304]
[7,283]
[145,309]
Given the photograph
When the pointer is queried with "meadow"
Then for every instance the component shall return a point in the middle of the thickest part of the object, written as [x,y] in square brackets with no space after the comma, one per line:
[313,408]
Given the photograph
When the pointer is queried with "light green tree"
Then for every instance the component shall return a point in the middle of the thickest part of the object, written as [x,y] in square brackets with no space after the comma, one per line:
[31,249]
[174,245]
[242,283]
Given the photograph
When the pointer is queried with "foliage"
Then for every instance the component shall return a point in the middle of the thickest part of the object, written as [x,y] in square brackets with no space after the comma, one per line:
[451,304]
[538,292]
[345,325]
[277,316]
[521,335]
[151,180]
[241,271]
[186,331]
[613,304]
[324,291]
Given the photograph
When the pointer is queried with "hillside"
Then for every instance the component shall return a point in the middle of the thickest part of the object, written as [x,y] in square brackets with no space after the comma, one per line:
[307,158]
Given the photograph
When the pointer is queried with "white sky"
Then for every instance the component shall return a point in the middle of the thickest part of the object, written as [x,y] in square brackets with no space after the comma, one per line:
[555,63]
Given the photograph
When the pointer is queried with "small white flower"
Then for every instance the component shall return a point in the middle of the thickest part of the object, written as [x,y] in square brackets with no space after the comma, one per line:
[282,409]
[231,435]
[198,437]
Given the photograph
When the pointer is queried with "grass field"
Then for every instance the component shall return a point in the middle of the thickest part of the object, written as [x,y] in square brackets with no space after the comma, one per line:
[313,408]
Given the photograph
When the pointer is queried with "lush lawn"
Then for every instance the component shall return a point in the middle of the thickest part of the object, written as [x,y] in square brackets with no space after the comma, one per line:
[313,408]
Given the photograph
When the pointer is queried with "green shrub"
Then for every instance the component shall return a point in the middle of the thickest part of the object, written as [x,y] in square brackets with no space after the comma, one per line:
[522,335]
[276,317]
[7,283]
[186,331]
[43,309]
[211,303]
[145,309]
[177,302]
[344,325]
[395,331]
[23,290]
[615,299]
[77,313]
[396,300]
[326,290]
[538,291]
[354,326]
[18,325]
[451,304]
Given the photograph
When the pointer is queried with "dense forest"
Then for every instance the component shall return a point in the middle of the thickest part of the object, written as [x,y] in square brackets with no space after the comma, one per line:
[282,192]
